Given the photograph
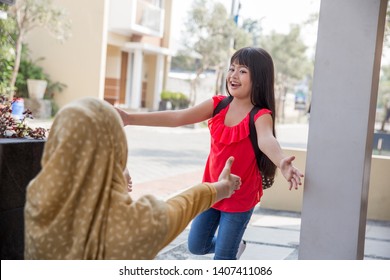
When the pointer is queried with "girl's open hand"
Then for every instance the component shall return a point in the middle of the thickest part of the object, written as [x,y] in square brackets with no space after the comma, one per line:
[292,174]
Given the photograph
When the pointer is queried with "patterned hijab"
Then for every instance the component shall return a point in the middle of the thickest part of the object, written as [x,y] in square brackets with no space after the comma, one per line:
[78,207]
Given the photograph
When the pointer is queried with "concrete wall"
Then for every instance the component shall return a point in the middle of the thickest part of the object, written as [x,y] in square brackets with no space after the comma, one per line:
[280,198]
[379,190]
[79,62]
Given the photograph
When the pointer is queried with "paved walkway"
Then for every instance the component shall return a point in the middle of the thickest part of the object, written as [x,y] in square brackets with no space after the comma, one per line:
[274,235]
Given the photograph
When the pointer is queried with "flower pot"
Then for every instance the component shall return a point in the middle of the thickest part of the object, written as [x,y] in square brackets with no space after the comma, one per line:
[36,88]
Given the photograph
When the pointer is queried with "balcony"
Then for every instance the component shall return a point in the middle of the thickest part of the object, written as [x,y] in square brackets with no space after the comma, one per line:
[139,17]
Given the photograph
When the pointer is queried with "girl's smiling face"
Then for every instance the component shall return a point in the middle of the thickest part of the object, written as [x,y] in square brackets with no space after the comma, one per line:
[239,80]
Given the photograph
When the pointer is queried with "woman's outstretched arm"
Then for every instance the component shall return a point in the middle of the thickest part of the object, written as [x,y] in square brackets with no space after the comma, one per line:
[185,206]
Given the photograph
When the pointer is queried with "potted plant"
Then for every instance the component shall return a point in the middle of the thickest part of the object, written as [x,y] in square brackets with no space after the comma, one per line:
[11,127]
[29,72]
[31,80]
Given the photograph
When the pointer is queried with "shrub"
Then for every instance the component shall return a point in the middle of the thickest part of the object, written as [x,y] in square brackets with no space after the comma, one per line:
[178,99]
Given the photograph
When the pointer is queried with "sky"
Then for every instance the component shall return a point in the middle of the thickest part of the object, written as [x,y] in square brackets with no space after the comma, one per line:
[275,15]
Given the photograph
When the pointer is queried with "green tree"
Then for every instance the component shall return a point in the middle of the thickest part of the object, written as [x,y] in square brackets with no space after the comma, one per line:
[30,14]
[384,82]
[383,95]
[387,27]
[291,62]
[209,34]
[7,55]
[254,29]
[183,62]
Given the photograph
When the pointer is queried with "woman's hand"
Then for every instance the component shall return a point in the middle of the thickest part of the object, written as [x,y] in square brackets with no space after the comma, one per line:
[292,174]
[227,183]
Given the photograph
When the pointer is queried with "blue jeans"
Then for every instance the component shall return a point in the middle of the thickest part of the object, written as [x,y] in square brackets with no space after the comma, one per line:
[202,239]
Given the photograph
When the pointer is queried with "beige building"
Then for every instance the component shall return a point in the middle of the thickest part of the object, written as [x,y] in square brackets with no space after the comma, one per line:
[137,52]
[119,50]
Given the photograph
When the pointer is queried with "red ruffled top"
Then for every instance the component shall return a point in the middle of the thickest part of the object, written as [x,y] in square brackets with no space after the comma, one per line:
[234,141]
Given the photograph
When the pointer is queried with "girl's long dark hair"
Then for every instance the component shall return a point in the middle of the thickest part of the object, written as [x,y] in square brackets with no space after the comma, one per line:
[261,67]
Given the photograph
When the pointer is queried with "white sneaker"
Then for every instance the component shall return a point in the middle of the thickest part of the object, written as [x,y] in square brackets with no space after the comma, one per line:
[241,249]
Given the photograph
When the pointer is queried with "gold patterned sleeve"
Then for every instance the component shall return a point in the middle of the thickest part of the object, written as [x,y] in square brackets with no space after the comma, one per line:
[185,206]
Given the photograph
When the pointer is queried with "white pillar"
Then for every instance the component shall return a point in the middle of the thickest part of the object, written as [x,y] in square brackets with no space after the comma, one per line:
[349,46]
[158,83]
[134,80]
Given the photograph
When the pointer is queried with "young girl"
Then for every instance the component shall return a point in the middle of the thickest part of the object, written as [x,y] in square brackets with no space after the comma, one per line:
[250,80]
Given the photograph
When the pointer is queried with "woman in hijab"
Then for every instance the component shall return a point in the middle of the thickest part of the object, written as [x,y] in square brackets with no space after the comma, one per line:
[78,206]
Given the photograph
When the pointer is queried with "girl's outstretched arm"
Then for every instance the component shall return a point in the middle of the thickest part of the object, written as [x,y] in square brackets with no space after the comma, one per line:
[271,148]
[170,118]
